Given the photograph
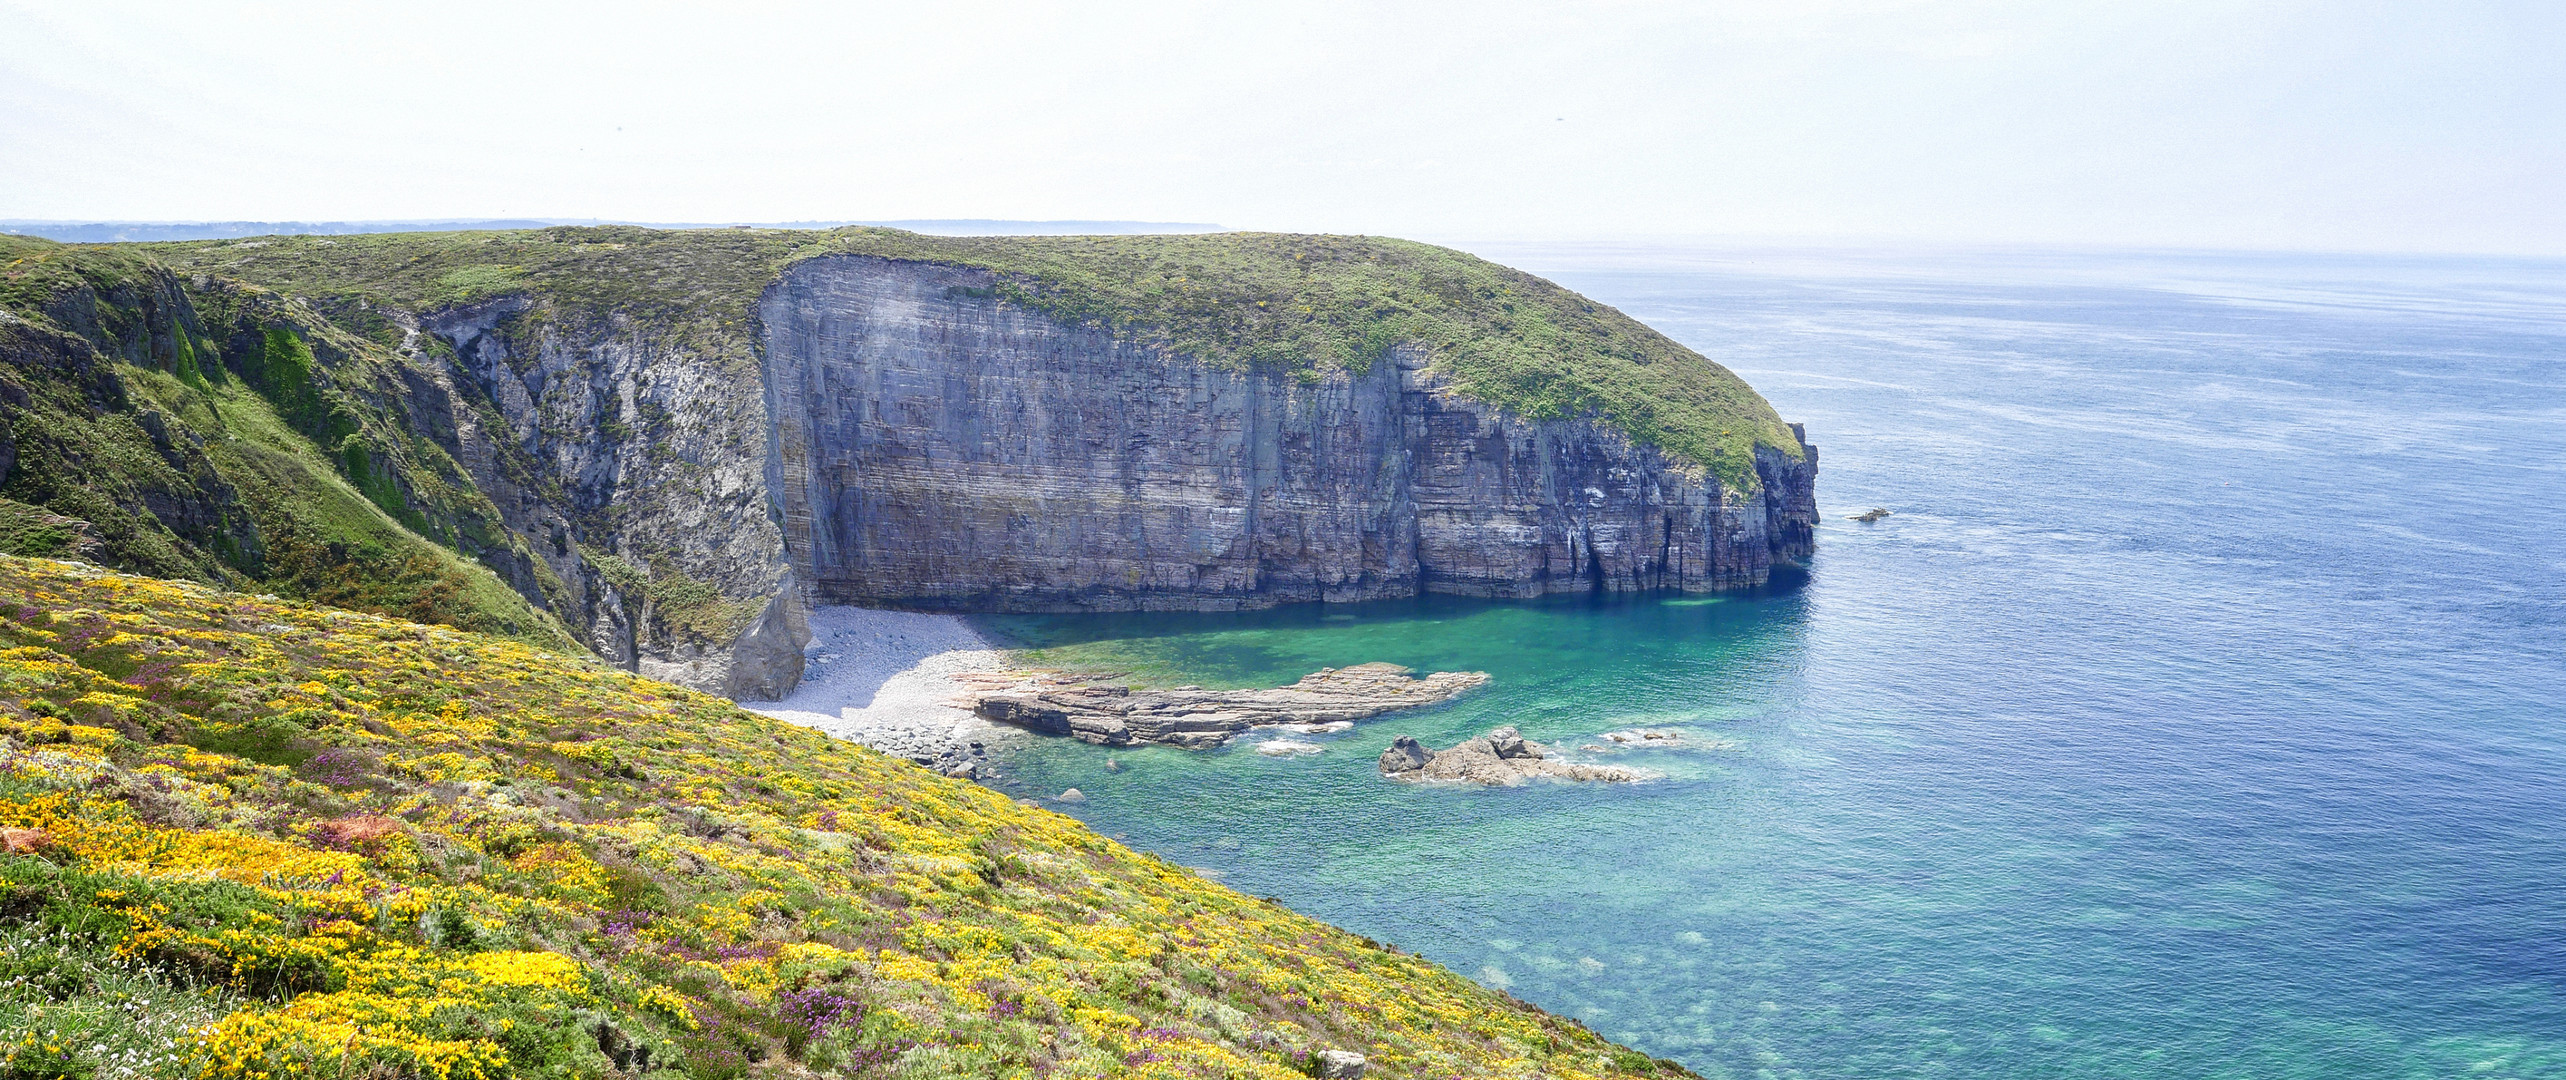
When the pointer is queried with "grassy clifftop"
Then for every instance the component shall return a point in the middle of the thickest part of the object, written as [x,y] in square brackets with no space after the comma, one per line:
[248,838]
[1306,303]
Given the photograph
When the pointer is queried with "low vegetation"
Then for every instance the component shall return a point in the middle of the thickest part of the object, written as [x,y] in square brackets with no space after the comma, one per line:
[245,837]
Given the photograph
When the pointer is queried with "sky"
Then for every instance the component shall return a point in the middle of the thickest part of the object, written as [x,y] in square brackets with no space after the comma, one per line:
[2340,126]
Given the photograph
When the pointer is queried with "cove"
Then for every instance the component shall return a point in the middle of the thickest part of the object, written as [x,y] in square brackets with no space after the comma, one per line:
[2195,714]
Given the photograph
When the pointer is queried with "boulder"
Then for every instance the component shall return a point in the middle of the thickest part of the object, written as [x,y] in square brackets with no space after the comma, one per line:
[1341,1065]
[1405,754]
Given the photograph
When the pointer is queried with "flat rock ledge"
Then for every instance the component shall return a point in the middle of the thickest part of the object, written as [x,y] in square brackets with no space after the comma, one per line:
[1195,718]
[1500,758]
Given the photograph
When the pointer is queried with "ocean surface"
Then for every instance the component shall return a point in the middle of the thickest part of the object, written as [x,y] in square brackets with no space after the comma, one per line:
[2200,711]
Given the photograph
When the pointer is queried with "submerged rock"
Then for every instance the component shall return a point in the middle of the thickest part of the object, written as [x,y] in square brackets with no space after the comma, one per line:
[1196,718]
[1873,514]
[1501,758]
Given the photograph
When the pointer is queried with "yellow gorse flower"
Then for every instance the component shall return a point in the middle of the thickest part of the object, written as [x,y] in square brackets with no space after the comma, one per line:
[406,850]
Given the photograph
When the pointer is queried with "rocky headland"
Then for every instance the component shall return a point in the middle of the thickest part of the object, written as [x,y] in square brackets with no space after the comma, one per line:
[1110,714]
[1501,758]
[666,448]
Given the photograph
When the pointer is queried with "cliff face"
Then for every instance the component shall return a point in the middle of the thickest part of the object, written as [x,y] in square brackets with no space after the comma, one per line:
[636,467]
[935,447]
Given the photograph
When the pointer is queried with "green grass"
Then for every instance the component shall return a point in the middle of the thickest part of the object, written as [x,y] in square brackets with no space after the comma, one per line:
[1300,303]
[34,530]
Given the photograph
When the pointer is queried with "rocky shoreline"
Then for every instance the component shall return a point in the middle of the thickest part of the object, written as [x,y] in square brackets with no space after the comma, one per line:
[929,689]
[1501,758]
[1091,710]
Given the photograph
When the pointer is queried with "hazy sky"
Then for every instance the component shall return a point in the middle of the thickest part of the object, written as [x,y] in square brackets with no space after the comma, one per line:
[2434,126]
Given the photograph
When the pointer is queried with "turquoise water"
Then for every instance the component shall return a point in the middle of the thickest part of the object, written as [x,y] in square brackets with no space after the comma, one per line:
[2198,713]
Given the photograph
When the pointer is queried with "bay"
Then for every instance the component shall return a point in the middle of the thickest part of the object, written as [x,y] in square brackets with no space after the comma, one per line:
[2196,713]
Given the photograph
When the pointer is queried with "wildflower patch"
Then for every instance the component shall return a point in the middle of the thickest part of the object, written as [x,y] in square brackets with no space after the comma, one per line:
[245,838]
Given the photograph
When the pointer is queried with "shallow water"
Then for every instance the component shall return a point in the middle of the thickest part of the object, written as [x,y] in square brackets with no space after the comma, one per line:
[2198,712]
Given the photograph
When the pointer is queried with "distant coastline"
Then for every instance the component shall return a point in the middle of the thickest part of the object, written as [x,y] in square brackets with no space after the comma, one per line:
[136,232]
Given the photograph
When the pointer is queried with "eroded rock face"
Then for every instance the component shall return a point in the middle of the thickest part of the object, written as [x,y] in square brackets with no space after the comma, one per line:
[617,437]
[937,448]
[1501,758]
[1195,718]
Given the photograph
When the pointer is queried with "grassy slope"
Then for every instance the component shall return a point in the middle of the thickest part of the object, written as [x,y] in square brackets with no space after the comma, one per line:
[249,388]
[1298,302]
[284,841]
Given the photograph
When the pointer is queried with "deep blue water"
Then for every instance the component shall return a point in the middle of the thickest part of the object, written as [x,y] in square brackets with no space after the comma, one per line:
[2201,711]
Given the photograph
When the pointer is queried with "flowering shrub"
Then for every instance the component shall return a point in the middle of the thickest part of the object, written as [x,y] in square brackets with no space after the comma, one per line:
[268,840]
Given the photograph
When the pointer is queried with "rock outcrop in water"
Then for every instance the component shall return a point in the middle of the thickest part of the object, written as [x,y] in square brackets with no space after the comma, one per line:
[1195,718]
[937,448]
[1501,758]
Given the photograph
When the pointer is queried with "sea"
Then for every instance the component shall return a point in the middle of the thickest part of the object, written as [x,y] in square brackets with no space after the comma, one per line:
[2199,710]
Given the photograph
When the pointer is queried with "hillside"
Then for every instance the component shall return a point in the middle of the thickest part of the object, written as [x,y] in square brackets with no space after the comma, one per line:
[253,838]
[221,432]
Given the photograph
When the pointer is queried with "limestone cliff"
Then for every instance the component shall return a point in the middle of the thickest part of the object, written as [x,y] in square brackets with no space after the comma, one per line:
[937,447]
[685,437]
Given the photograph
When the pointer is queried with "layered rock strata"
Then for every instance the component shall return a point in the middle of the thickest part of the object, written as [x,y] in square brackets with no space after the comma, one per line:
[1501,758]
[935,447]
[1195,718]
